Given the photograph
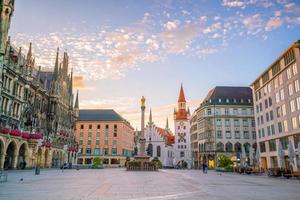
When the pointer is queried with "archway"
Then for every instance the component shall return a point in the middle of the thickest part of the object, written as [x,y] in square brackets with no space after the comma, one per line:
[228,147]
[23,156]
[1,154]
[11,156]
[220,146]
[237,147]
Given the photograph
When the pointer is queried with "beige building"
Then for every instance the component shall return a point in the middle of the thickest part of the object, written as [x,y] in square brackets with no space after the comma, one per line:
[276,95]
[222,124]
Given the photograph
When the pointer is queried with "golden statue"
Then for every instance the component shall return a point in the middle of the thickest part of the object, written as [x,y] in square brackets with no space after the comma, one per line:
[143,101]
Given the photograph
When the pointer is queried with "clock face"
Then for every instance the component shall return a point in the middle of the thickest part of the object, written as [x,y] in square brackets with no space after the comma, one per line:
[181,123]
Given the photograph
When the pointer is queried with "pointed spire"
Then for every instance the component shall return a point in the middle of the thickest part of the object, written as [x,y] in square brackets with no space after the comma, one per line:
[46,81]
[29,54]
[76,101]
[167,124]
[39,75]
[56,65]
[181,95]
[65,63]
[71,83]
[20,56]
[150,117]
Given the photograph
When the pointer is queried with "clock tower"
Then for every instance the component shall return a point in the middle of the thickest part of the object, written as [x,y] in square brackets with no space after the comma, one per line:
[182,145]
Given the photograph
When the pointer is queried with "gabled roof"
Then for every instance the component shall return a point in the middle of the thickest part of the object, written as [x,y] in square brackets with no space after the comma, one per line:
[99,115]
[166,134]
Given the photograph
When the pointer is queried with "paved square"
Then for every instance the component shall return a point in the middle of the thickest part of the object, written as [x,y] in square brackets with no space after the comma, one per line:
[165,184]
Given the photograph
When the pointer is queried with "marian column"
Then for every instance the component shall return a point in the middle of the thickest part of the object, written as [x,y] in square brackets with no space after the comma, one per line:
[142,137]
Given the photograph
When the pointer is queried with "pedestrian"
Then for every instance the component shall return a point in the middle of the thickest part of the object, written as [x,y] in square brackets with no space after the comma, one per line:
[206,168]
[24,164]
[203,168]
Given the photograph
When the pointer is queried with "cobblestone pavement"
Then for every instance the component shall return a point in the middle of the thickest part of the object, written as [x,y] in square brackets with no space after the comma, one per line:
[166,184]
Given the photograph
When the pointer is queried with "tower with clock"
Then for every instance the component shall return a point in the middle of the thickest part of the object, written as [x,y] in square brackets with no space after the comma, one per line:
[182,146]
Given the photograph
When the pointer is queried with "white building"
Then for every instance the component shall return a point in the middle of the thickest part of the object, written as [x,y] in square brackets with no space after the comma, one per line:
[182,146]
[159,143]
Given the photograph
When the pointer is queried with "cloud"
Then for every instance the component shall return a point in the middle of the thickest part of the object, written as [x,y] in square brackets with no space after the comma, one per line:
[234,3]
[170,25]
[273,24]
[253,22]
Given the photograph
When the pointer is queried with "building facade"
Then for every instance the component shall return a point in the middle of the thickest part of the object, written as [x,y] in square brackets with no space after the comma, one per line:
[182,145]
[104,134]
[159,143]
[222,124]
[37,117]
[277,107]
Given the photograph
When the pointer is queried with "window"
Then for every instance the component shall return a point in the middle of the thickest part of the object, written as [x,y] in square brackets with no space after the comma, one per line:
[226,111]
[282,94]
[244,111]
[209,111]
[96,151]
[105,151]
[158,151]
[181,154]
[89,142]
[278,112]
[289,73]
[292,104]
[283,109]
[273,129]
[219,122]
[285,126]
[245,123]
[228,134]
[295,70]
[280,79]
[114,151]
[237,135]
[88,151]
[263,132]
[80,142]
[81,126]
[284,142]
[106,126]
[262,119]
[297,86]
[98,126]
[90,126]
[266,103]
[253,135]
[271,115]
[219,135]
[294,123]
[277,97]
[298,103]
[267,117]
[114,142]
[97,142]
[236,123]
[270,101]
[291,90]
[246,135]
[106,142]
[81,134]
[279,127]
[227,122]
[260,106]
[269,130]
[235,110]
[272,145]
[262,147]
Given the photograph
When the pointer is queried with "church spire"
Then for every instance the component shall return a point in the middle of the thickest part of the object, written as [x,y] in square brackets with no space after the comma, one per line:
[71,83]
[76,106]
[56,65]
[20,56]
[29,54]
[181,97]
[167,124]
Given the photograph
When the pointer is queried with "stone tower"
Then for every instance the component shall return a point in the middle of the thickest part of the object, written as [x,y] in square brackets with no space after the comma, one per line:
[182,145]
[7,9]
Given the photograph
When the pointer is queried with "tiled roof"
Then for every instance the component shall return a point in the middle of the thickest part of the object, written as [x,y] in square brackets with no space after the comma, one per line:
[99,115]
[168,134]
[233,94]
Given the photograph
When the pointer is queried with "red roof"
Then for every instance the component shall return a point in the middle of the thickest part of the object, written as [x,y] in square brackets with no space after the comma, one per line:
[181,95]
[181,114]
[168,134]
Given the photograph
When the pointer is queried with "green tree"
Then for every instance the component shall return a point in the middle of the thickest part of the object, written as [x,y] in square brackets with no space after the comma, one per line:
[224,161]
[97,163]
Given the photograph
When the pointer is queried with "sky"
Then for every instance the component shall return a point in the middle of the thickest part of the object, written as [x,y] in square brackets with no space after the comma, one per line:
[123,49]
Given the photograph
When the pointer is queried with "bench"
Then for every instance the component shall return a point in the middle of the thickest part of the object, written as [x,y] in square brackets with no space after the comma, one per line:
[3,177]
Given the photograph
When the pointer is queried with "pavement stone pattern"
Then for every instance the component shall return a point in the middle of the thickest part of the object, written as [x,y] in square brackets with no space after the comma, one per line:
[119,184]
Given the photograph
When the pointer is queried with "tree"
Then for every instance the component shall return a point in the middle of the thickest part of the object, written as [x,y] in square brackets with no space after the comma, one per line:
[97,163]
[224,161]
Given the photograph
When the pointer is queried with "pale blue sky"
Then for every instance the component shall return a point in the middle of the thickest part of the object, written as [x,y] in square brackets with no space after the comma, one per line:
[121,50]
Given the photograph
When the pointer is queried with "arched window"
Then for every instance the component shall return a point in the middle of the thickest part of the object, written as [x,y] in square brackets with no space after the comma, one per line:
[158,151]
[238,147]
[247,147]
[150,150]
[220,146]
[228,147]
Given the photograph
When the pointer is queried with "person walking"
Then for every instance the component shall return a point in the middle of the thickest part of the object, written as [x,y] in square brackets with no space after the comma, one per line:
[203,168]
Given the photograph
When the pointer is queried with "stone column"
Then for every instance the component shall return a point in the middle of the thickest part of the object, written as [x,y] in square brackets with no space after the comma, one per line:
[15,161]
[2,160]
[142,141]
